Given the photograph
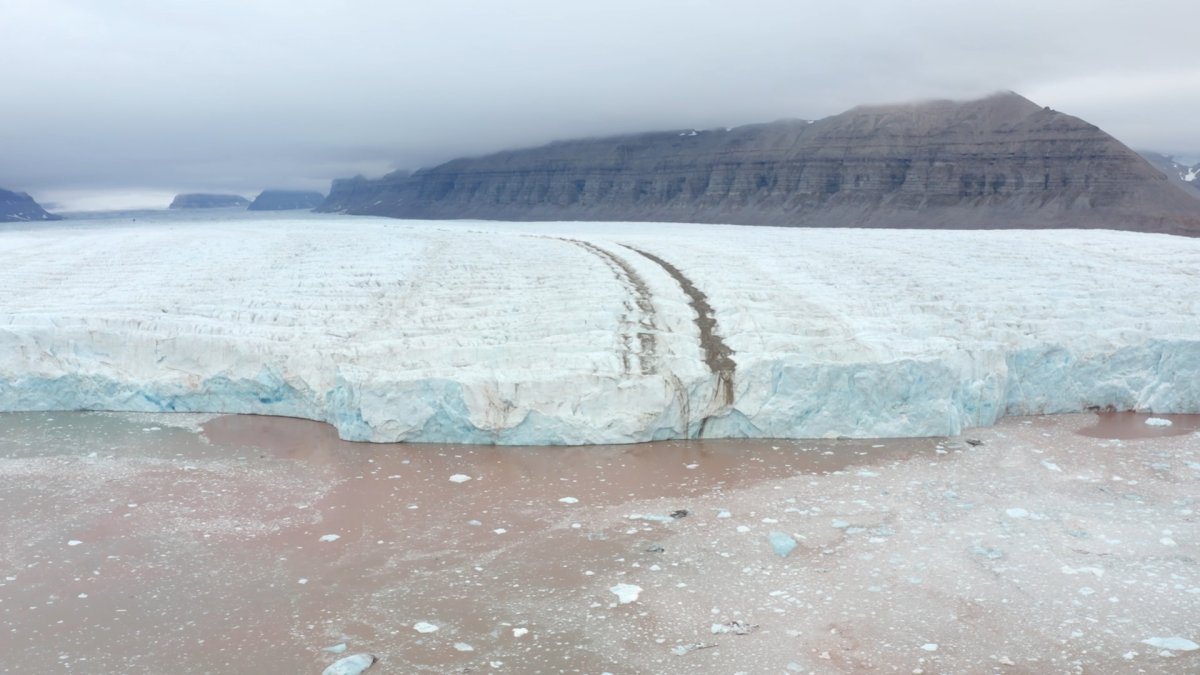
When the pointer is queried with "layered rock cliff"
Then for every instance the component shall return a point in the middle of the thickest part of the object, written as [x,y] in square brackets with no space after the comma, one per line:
[18,207]
[286,200]
[207,201]
[1001,161]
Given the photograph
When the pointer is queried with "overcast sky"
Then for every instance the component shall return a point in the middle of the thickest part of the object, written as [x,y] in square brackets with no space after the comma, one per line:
[117,102]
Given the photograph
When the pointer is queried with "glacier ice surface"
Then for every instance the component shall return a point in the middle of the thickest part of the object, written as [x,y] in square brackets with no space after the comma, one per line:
[512,333]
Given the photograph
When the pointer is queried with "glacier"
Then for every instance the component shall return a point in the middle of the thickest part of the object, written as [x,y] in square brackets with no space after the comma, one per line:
[586,333]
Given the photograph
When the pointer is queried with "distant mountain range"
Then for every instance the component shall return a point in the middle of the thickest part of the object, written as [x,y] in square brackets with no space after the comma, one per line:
[207,201]
[18,207]
[998,162]
[286,200]
[1181,174]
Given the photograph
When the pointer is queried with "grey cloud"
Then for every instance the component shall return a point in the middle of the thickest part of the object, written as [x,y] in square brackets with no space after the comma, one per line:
[146,94]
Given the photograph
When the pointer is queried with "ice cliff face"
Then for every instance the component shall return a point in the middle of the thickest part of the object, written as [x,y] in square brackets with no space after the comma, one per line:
[568,333]
[18,207]
[999,162]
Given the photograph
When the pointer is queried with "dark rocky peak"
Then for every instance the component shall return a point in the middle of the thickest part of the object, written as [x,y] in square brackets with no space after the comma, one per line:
[19,207]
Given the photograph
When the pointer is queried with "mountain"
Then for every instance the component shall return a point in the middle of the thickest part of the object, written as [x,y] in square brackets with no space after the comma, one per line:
[286,200]
[18,207]
[207,201]
[1182,175]
[998,162]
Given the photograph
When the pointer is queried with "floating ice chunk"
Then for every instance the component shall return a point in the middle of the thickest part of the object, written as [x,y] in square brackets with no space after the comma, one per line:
[425,627]
[781,542]
[1066,569]
[736,627]
[330,537]
[930,646]
[499,530]
[652,517]
[335,649]
[568,500]
[626,593]
[864,473]
[463,647]
[839,524]
[351,665]
[724,514]
[459,478]
[518,632]
[683,650]
[1174,643]
[1051,465]
[1017,512]
[1157,422]
[989,553]
[743,529]
[74,542]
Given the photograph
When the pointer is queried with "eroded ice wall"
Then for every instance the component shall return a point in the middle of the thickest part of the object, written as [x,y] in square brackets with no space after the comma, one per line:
[564,333]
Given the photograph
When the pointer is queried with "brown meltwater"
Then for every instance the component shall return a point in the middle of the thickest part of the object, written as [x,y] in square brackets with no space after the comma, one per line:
[133,546]
[146,544]
[1128,425]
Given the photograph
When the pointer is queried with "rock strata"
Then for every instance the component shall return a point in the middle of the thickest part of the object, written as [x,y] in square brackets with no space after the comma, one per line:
[18,207]
[286,200]
[997,162]
[207,201]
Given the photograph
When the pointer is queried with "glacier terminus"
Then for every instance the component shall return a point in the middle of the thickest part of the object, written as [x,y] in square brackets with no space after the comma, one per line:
[582,333]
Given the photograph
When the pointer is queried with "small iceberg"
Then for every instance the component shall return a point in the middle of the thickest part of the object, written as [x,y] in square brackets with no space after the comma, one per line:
[1177,644]
[351,665]
[626,593]
[781,542]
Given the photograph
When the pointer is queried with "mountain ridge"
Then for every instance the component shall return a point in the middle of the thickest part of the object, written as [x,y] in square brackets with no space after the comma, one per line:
[19,207]
[1000,161]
